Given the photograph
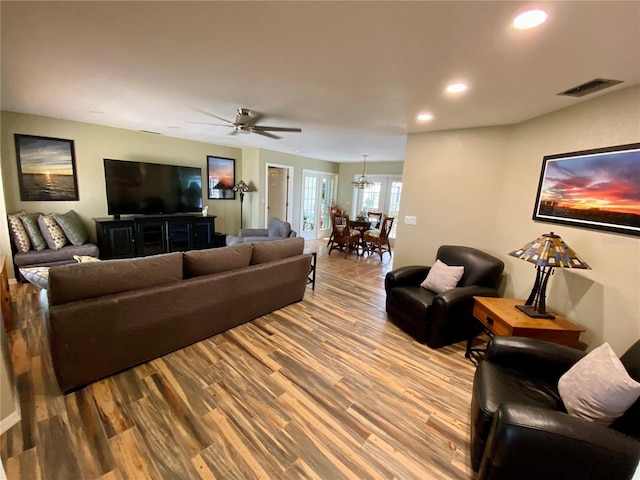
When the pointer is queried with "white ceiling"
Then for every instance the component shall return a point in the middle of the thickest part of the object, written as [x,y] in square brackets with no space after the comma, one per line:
[352,75]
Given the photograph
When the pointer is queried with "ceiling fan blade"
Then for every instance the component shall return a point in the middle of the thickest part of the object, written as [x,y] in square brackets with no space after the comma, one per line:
[276,129]
[215,124]
[264,134]
[229,122]
[233,132]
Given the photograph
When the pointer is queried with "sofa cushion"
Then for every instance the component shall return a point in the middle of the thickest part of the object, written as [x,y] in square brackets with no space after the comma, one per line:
[72,227]
[276,250]
[216,260]
[48,256]
[30,223]
[598,388]
[18,233]
[51,231]
[79,281]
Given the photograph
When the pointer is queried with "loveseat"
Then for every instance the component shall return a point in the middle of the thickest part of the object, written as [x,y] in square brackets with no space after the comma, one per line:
[104,317]
[48,240]
[276,230]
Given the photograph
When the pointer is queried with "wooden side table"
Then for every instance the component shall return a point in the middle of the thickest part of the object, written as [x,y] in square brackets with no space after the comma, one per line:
[499,316]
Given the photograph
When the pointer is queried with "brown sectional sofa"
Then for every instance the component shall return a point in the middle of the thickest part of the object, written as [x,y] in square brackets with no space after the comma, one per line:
[105,317]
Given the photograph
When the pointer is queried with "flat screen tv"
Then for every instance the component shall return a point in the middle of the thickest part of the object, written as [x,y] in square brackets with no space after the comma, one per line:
[140,188]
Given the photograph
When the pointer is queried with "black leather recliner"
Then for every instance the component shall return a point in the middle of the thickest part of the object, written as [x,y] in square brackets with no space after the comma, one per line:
[520,428]
[445,318]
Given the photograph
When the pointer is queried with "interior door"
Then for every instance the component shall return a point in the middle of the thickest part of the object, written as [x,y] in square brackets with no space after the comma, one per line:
[277,193]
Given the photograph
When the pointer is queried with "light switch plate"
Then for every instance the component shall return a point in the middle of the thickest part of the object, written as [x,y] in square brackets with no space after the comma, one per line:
[410,219]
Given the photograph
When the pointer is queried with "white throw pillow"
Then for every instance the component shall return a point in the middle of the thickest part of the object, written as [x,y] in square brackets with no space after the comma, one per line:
[442,277]
[598,388]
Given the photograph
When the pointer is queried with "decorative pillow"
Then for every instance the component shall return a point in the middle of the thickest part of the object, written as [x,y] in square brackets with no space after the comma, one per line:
[18,233]
[598,388]
[85,259]
[30,224]
[51,231]
[72,227]
[442,277]
[39,276]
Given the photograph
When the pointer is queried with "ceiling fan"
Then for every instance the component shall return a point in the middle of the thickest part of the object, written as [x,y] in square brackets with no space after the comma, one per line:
[246,122]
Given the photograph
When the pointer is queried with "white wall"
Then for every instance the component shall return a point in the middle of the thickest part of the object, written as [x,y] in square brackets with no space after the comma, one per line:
[477,187]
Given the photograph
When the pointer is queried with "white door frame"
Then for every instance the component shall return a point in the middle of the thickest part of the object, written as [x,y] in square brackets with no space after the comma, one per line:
[289,169]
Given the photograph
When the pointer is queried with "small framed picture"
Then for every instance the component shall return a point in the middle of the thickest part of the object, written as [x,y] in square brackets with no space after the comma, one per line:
[46,168]
[221,178]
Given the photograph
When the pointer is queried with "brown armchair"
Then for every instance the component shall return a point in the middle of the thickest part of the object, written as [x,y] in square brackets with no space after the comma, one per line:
[442,318]
[343,237]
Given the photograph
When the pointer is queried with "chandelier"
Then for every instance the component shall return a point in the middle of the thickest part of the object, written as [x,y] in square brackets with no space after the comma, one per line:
[362,181]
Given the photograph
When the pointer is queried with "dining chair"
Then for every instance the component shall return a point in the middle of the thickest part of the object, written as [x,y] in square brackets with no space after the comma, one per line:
[375,218]
[343,238]
[378,240]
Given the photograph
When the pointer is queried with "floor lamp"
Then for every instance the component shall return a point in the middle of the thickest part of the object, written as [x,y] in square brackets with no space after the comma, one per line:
[241,188]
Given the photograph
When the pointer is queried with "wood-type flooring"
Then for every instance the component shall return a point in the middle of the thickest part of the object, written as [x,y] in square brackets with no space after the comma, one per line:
[327,388]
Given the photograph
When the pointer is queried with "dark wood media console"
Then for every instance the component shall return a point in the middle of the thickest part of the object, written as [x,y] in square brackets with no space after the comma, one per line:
[139,236]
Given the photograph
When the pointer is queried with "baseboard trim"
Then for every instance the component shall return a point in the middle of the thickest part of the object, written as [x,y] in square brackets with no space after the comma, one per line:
[14,417]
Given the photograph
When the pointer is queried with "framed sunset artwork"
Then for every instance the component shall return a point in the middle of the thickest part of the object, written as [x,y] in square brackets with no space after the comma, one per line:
[598,189]
[221,178]
[46,168]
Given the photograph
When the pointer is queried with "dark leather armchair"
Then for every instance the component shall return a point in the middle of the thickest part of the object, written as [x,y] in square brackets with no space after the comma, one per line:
[447,317]
[520,429]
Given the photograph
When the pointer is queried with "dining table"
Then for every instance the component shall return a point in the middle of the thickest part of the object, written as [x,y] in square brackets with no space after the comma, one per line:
[361,225]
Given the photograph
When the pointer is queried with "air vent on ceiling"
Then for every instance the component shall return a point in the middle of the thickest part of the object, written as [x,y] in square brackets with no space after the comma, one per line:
[590,87]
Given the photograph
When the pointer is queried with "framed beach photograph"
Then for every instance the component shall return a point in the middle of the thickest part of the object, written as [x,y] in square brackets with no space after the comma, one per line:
[596,189]
[221,178]
[46,168]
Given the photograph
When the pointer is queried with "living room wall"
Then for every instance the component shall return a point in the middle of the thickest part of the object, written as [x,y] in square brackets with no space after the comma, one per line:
[92,144]
[477,187]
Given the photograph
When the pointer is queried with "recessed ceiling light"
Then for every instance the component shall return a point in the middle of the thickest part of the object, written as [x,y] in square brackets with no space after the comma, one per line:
[97,112]
[457,88]
[530,19]
[424,117]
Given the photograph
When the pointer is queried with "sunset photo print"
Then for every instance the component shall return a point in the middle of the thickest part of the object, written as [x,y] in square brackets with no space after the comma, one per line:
[597,189]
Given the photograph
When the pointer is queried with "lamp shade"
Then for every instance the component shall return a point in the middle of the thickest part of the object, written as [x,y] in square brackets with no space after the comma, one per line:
[549,250]
[241,187]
